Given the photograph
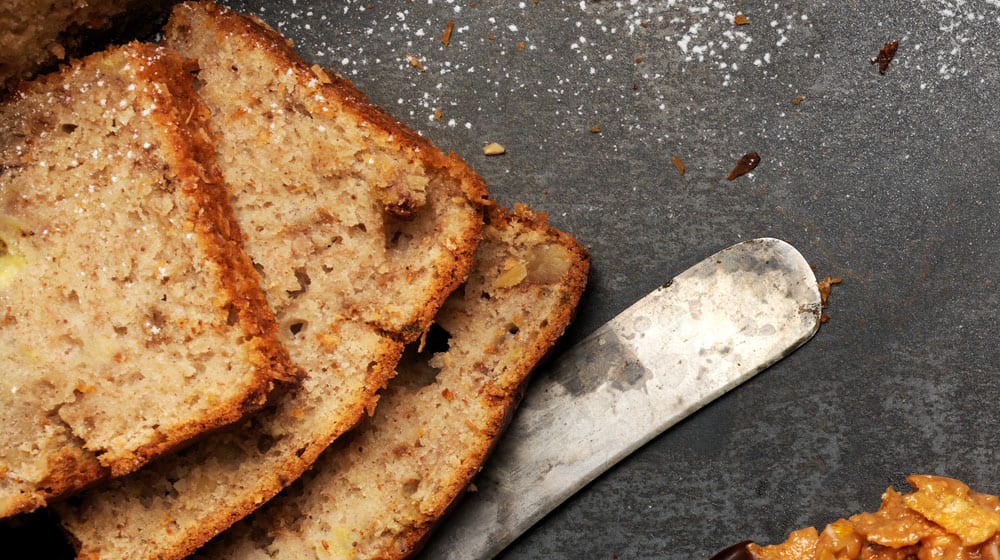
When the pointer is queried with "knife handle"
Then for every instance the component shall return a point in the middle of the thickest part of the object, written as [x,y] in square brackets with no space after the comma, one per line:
[737,551]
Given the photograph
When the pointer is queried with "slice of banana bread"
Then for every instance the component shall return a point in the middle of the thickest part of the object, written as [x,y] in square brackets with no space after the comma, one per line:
[377,492]
[309,158]
[359,228]
[130,318]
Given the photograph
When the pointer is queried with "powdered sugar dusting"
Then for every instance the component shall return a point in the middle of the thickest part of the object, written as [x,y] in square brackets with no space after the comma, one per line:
[952,47]
[616,50]
[712,34]
[675,74]
[958,22]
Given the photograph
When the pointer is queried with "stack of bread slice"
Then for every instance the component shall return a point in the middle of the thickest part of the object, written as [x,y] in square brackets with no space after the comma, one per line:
[130,318]
[377,492]
[357,230]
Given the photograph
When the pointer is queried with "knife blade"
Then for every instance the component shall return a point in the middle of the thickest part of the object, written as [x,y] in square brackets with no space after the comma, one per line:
[688,342]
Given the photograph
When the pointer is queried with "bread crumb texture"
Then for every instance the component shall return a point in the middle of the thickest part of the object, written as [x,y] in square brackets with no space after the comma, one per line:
[34,36]
[376,493]
[359,230]
[129,319]
[332,192]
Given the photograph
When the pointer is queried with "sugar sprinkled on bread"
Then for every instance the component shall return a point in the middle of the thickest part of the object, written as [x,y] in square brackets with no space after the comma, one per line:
[130,319]
[360,229]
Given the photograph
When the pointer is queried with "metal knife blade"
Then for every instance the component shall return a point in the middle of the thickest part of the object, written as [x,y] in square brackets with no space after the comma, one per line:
[712,327]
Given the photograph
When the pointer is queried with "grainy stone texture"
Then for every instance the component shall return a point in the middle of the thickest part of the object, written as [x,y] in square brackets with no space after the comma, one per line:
[890,181]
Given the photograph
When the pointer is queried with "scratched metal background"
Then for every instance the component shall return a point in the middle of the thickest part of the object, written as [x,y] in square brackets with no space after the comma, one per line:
[889,181]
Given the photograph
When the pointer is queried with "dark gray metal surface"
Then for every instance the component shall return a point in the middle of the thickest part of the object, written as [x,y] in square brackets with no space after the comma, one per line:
[890,181]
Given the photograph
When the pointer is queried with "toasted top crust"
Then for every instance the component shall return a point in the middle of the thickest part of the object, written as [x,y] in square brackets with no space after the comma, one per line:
[376,493]
[133,320]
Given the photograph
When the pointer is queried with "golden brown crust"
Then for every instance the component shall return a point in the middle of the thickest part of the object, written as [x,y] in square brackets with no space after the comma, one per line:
[164,84]
[451,166]
[69,470]
[377,493]
[183,118]
[265,483]
[292,466]
[59,29]
[475,187]
[450,224]
[505,394]
[343,95]
[340,94]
